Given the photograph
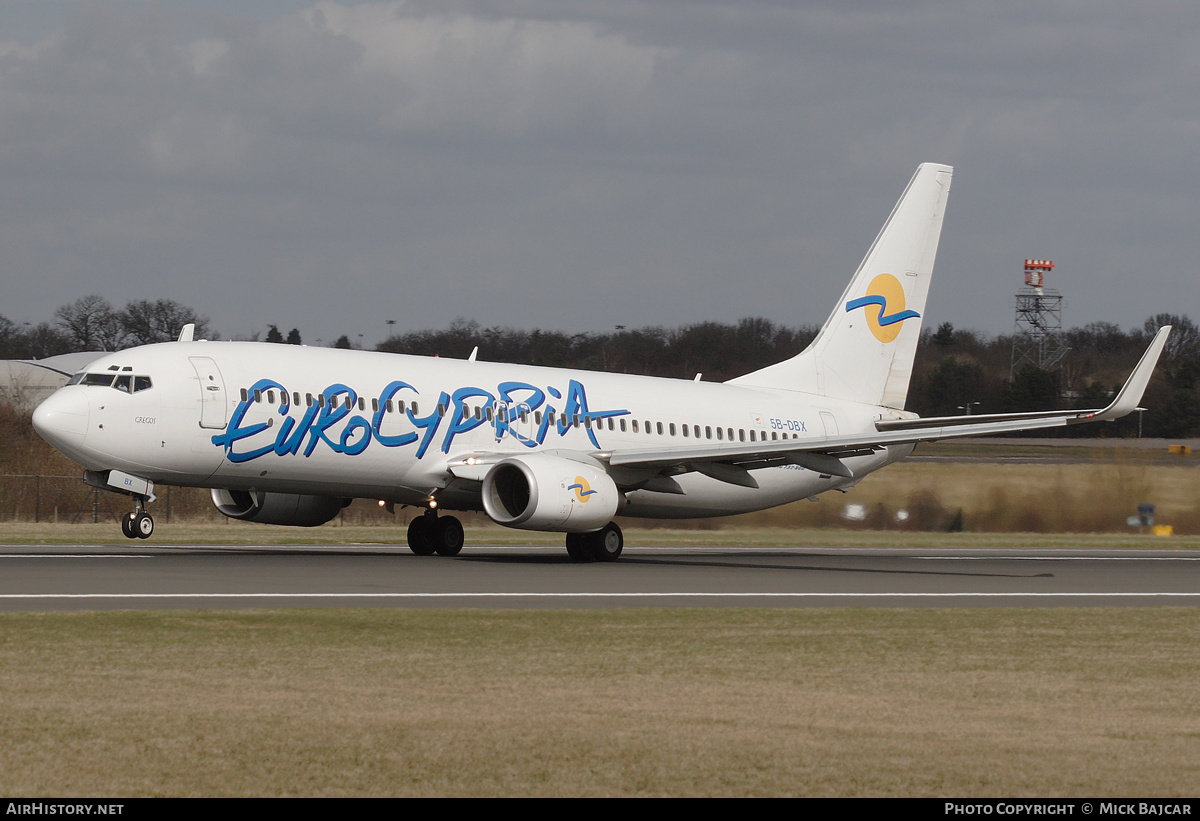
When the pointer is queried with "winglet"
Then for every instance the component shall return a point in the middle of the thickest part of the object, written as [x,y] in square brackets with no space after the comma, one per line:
[1131,394]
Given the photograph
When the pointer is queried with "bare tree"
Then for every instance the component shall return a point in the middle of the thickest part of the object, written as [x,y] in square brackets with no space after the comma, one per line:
[91,323]
[147,322]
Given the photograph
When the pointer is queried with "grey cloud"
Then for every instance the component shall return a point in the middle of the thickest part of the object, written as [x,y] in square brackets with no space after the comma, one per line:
[577,164]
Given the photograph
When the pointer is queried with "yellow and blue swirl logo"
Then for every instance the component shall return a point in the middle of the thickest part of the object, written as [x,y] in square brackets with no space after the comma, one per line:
[582,489]
[886,292]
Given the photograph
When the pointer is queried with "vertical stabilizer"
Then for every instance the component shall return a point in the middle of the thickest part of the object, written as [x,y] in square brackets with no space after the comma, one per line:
[864,352]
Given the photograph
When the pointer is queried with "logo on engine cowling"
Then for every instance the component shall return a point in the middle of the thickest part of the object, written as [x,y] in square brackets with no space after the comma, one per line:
[582,489]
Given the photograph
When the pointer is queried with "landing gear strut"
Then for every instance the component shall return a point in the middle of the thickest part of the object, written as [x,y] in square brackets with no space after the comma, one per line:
[603,545]
[430,533]
[138,524]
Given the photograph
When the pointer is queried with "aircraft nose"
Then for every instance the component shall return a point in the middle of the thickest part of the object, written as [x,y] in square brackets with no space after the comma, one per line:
[62,420]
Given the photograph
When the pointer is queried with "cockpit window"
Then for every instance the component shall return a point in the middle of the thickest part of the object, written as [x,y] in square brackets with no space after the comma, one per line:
[98,379]
[141,383]
[76,379]
[124,383]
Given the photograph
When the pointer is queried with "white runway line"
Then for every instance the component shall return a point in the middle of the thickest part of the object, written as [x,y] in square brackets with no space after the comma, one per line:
[21,596]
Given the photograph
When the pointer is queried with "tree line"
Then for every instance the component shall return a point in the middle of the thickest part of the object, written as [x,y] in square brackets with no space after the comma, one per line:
[957,371]
[91,323]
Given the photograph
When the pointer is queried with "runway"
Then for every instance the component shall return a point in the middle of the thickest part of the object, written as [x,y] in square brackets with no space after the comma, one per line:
[112,577]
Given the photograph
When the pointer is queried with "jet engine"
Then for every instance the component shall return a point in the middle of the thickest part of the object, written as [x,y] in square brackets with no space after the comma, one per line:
[294,509]
[542,491]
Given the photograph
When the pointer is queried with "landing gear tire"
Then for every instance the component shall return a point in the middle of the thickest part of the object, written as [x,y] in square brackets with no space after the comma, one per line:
[143,526]
[421,536]
[577,547]
[607,543]
[448,536]
[127,522]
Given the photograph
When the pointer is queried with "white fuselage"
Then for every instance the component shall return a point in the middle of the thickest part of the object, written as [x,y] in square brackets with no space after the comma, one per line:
[279,418]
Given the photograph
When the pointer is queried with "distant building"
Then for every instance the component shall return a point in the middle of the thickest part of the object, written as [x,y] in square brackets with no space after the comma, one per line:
[25,383]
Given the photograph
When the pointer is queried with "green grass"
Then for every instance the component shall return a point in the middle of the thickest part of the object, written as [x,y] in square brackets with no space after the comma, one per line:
[962,702]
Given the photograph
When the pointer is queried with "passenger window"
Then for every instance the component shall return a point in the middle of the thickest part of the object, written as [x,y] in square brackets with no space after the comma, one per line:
[685,430]
[635,427]
[308,400]
[320,400]
[362,403]
[658,427]
[124,383]
[257,395]
[441,409]
[623,426]
[751,436]
[696,430]
[245,395]
[296,398]
[270,397]
[708,432]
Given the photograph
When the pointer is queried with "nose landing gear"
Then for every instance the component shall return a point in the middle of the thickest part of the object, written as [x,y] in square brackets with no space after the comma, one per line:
[138,524]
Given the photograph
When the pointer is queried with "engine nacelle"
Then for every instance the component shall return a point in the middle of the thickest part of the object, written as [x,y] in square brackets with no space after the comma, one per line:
[542,491]
[294,509]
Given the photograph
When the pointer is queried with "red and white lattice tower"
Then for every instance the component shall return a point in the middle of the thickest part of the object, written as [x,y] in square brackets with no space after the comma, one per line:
[1038,338]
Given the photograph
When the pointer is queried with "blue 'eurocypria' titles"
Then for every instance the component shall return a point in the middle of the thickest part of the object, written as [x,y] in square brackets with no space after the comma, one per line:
[333,423]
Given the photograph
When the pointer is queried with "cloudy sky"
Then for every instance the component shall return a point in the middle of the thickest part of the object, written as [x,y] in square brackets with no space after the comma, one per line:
[580,165]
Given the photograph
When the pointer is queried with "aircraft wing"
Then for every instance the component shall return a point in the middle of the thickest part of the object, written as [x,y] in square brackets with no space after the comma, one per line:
[731,462]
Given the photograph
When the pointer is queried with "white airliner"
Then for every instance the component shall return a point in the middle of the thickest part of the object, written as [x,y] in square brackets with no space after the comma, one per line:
[290,435]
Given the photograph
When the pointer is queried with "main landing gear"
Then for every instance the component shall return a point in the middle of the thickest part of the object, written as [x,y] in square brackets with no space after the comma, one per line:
[430,533]
[604,545]
[138,524]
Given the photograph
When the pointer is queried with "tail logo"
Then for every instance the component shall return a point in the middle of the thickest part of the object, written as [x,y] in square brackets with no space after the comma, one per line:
[886,292]
[582,489]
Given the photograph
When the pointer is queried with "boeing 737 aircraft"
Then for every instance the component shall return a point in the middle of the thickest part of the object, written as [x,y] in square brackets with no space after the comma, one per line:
[290,435]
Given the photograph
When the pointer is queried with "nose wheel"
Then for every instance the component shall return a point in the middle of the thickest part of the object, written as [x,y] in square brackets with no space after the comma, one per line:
[138,524]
